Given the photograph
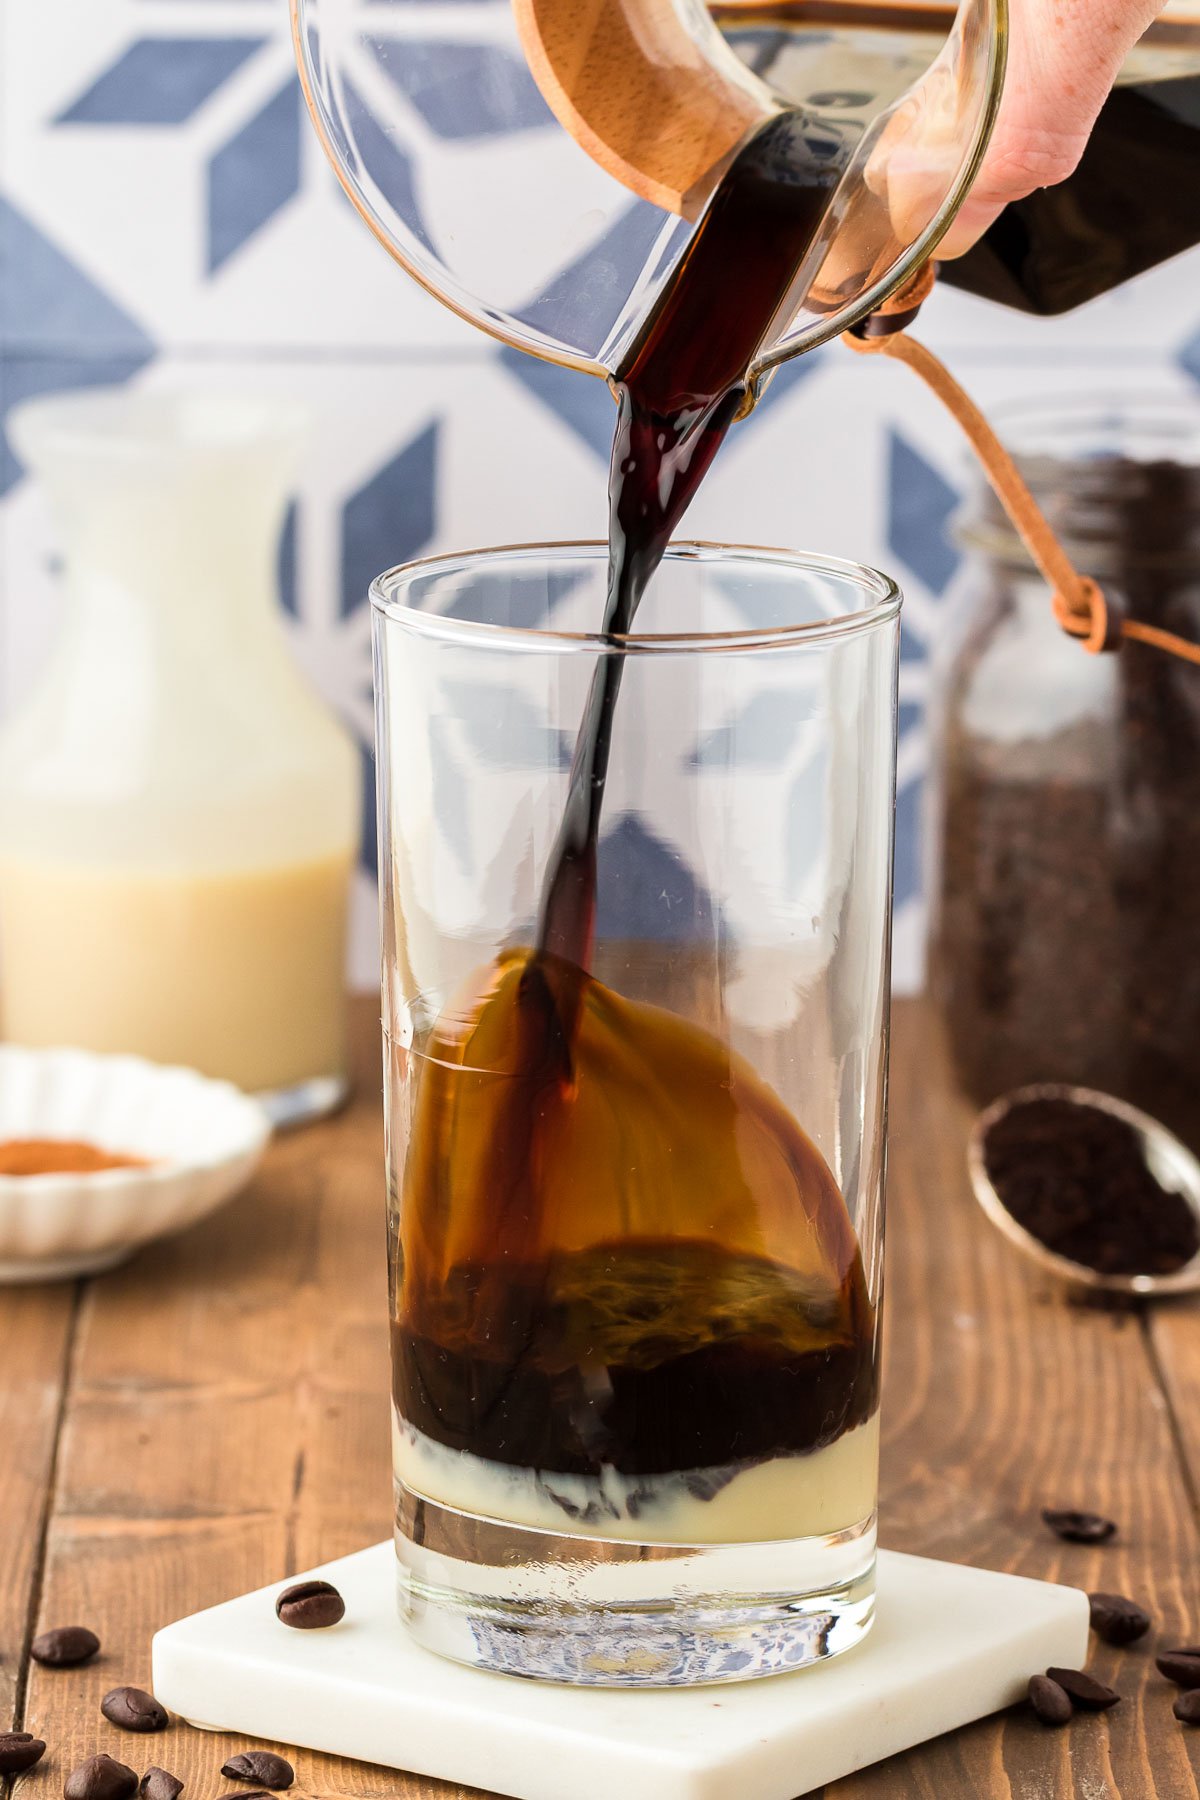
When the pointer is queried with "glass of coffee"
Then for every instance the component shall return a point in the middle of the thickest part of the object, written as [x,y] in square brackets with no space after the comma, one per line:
[636,898]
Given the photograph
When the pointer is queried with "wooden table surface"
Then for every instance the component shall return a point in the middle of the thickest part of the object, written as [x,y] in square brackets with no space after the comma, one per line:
[213,1417]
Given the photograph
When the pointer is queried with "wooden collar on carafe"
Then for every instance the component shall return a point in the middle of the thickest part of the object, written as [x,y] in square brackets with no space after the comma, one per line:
[1082,608]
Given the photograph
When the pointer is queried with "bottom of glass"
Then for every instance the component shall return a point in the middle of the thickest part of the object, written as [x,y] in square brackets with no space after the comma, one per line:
[600,1612]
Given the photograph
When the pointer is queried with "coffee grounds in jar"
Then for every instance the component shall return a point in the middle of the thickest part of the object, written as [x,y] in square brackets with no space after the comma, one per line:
[1066,946]
[1076,1178]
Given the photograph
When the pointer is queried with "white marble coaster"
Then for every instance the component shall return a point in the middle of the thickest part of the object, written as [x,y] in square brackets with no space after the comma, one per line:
[949,1645]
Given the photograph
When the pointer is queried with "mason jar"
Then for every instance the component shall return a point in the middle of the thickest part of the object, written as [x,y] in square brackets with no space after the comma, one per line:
[1065,944]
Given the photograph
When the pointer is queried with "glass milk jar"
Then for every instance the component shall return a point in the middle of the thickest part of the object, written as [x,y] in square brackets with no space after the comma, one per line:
[178,811]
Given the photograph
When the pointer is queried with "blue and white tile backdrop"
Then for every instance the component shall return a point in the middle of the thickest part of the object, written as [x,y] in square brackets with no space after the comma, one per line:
[165,215]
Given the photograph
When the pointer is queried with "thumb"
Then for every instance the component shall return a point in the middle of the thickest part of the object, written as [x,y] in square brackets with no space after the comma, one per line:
[1064,56]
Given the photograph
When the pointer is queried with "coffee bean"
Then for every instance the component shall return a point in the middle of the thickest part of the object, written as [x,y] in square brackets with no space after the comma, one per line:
[1180,1666]
[64,1647]
[1079,1527]
[1051,1703]
[1116,1619]
[158,1784]
[249,1794]
[1187,1707]
[100,1778]
[19,1750]
[310,1606]
[133,1709]
[263,1766]
[1084,1689]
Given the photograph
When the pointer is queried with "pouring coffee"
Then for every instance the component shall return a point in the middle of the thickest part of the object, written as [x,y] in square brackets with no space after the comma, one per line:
[576,1298]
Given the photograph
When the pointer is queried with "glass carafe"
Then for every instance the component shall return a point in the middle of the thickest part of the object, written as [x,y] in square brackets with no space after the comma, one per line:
[542,168]
[179,813]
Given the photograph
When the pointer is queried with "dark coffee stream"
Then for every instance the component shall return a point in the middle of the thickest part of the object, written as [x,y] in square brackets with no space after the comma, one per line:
[680,391]
[618,1249]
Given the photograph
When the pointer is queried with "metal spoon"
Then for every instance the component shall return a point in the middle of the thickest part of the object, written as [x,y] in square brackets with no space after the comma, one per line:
[1171,1163]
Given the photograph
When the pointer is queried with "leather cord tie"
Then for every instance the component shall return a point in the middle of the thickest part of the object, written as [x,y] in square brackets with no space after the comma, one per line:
[1082,609]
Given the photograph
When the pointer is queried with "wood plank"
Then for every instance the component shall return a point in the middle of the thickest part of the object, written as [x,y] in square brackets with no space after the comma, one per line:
[224,1430]
[228,1425]
[1000,1398]
[35,1337]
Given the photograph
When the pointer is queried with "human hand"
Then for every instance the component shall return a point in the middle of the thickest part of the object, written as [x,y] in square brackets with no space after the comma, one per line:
[1063,58]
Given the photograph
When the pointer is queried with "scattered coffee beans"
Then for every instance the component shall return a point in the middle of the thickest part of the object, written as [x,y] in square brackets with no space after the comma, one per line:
[65,1646]
[1084,1689]
[263,1766]
[158,1784]
[310,1606]
[1079,1527]
[1050,1702]
[19,1750]
[100,1778]
[1180,1666]
[1187,1707]
[133,1709]
[1118,1620]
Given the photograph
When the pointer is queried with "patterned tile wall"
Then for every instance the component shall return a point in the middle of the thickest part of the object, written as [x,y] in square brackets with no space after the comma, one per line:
[167,217]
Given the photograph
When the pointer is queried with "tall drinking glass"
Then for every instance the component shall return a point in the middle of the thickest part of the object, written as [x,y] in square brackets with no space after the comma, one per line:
[635,1211]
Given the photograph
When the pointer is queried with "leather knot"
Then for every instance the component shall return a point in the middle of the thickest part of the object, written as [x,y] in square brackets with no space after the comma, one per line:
[1094,618]
[898,311]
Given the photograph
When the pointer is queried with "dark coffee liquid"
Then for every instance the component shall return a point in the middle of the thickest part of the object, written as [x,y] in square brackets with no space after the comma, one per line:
[678,394]
[646,1356]
[618,1249]
[1133,202]
[618,1246]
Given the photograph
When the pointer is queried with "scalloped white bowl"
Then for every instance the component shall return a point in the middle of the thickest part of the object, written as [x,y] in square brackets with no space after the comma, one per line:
[203,1140]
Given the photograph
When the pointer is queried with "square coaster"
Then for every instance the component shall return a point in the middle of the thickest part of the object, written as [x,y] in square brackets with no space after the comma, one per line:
[949,1645]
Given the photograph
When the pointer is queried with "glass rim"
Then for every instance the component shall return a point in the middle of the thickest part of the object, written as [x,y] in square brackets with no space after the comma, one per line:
[884,605]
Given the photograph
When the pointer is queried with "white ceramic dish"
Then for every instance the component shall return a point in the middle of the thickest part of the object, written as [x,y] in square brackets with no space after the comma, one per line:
[203,1140]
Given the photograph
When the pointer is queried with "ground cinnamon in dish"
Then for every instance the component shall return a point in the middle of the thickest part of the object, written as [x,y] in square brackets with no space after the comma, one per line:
[61,1156]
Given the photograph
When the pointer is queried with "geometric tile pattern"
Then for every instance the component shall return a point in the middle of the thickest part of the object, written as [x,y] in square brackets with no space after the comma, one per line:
[388,163]
[253,174]
[576,304]
[390,518]
[48,302]
[159,81]
[585,406]
[922,504]
[166,217]
[434,74]
[648,888]
[58,327]
[1189,357]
